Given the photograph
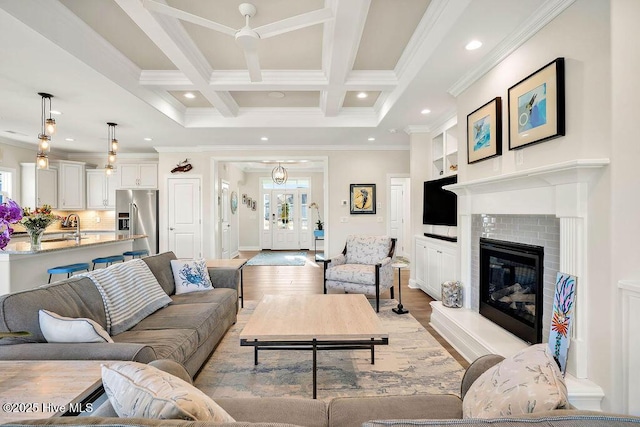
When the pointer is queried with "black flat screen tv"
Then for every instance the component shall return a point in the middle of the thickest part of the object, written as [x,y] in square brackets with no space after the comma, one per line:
[440,207]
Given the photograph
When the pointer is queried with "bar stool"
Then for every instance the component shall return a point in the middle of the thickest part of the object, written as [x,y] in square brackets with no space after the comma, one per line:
[108,260]
[137,253]
[71,268]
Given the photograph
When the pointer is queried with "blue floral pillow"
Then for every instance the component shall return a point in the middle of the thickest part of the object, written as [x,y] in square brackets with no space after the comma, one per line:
[190,276]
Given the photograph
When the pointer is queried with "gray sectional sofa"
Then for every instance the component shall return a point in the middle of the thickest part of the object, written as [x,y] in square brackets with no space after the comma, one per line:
[186,331]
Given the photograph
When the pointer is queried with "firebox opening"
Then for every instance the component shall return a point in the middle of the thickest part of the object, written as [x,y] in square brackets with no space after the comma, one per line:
[511,287]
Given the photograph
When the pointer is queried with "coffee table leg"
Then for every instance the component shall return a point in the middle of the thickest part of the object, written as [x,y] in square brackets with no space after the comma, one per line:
[373,354]
[315,369]
[255,353]
[242,292]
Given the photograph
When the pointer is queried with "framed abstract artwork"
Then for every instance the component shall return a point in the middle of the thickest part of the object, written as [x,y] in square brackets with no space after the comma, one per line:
[484,132]
[537,106]
[562,318]
[363,198]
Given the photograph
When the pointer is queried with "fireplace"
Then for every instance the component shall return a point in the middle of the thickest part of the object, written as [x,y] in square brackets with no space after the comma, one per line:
[511,287]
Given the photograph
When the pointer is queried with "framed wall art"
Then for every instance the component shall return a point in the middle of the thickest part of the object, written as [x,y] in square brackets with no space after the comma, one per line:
[536,106]
[484,132]
[363,198]
[244,198]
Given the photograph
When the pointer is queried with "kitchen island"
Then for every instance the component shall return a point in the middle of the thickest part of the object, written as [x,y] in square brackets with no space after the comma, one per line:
[22,268]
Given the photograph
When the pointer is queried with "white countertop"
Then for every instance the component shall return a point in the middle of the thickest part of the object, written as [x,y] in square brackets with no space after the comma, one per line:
[24,248]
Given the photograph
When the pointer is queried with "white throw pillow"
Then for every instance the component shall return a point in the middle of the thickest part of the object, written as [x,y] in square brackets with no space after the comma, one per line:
[529,381]
[138,390]
[190,276]
[56,328]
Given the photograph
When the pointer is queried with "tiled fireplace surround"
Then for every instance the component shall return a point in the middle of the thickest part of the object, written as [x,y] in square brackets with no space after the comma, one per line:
[545,206]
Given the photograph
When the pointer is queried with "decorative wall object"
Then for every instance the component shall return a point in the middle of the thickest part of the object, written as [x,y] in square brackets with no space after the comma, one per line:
[536,106]
[183,166]
[363,198]
[234,202]
[484,132]
[560,334]
[253,205]
[249,202]
[244,199]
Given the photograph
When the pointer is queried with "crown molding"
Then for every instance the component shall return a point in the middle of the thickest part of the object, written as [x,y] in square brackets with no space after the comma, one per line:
[545,14]
[285,148]
[417,129]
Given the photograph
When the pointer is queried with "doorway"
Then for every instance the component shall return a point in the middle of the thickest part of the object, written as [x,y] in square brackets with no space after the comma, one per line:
[399,209]
[285,215]
[184,217]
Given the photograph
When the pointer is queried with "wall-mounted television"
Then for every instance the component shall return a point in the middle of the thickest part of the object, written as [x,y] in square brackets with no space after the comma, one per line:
[440,207]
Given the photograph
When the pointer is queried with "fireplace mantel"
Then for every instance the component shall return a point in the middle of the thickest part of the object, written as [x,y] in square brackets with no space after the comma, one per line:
[560,189]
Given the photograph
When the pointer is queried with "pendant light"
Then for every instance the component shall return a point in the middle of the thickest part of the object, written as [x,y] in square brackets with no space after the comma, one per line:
[112,146]
[279,174]
[44,137]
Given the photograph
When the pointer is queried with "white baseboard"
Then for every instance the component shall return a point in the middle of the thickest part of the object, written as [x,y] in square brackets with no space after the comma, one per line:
[249,248]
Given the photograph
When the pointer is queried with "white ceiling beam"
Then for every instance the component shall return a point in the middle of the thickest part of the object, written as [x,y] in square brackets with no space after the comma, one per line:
[78,39]
[341,39]
[171,38]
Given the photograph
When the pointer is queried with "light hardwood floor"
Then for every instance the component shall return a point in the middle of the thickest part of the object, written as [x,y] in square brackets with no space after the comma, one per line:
[285,280]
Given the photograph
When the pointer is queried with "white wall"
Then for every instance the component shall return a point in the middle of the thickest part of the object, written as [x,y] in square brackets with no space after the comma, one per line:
[582,35]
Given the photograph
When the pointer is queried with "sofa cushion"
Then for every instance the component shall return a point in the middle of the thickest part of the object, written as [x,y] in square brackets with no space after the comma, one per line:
[61,329]
[190,276]
[160,266]
[367,249]
[138,390]
[130,293]
[200,317]
[529,381]
[174,344]
[217,296]
[353,273]
[74,297]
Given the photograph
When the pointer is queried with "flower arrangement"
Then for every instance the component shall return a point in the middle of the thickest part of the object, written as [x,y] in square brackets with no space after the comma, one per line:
[36,222]
[319,223]
[10,213]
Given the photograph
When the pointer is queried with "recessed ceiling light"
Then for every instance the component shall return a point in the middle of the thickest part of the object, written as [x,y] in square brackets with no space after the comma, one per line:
[189,95]
[276,95]
[371,139]
[69,139]
[473,45]
[425,111]
[56,112]
[362,95]
[148,139]
[264,138]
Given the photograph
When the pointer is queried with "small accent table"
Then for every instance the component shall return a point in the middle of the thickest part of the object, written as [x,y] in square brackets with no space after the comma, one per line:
[399,309]
[235,264]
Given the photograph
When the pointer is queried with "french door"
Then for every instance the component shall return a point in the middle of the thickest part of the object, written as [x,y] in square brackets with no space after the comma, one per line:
[285,216]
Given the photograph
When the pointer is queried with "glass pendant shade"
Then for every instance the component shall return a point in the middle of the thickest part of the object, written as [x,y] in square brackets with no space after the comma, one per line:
[114,145]
[279,174]
[42,161]
[50,126]
[44,144]
[112,157]
[108,169]
[44,137]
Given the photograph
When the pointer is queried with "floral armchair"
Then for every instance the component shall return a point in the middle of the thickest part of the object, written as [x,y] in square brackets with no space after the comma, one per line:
[363,267]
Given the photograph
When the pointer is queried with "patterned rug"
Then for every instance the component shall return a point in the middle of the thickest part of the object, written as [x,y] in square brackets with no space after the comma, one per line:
[279,258]
[413,363]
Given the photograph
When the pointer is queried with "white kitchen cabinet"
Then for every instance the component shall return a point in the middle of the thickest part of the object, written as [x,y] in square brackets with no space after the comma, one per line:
[71,186]
[138,175]
[101,189]
[435,263]
[38,186]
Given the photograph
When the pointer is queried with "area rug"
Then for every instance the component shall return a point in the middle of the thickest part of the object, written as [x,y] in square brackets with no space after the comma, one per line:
[279,258]
[413,362]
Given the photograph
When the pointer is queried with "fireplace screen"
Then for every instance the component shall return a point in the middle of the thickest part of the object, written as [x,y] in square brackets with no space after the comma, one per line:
[511,287]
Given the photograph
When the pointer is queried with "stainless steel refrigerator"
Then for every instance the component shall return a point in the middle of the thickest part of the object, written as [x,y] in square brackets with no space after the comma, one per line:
[137,213]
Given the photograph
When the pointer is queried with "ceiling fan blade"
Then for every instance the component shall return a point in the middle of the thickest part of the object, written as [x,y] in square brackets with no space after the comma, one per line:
[186,16]
[294,23]
[253,64]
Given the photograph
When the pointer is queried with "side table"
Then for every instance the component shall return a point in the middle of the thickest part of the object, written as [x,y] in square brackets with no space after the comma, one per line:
[399,309]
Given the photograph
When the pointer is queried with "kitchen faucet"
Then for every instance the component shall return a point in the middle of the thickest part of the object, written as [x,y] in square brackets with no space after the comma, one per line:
[77,234]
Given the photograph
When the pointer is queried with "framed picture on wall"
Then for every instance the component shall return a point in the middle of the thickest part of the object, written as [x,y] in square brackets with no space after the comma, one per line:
[536,106]
[484,132]
[253,205]
[363,198]
[244,198]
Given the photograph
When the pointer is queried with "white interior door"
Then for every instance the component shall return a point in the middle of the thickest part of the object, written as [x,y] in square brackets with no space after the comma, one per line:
[397,214]
[225,226]
[184,218]
[285,220]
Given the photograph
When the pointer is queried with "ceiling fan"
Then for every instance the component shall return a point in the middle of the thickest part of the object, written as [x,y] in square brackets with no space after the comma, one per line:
[246,36]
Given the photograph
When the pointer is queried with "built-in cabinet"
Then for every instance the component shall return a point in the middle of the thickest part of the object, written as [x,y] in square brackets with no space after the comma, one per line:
[38,186]
[138,175]
[444,150]
[435,262]
[101,189]
[71,186]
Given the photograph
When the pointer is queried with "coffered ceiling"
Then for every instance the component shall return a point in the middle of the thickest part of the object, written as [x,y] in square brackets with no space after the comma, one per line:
[133,61]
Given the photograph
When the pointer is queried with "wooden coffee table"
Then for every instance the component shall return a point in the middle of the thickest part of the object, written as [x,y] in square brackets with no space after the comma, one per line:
[35,389]
[314,322]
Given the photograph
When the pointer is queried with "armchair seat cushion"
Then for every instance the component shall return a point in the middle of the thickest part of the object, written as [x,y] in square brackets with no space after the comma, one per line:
[367,249]
[353,273]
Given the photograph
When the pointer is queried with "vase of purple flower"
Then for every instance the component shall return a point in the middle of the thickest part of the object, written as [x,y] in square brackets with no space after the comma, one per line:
[10,213]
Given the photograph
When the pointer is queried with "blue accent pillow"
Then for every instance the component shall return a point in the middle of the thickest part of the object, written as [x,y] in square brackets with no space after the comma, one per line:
[191,276]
